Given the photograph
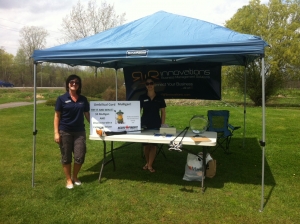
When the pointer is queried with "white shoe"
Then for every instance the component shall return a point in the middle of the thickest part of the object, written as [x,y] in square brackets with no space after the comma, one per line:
[70,186]
[78,183]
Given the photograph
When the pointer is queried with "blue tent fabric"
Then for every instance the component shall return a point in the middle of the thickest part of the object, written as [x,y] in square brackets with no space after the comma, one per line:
[160,38]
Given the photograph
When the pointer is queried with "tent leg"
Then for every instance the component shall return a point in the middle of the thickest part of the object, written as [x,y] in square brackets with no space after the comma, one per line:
[34,125]
[263,133]
[96,72]
[245,90]
[116,84]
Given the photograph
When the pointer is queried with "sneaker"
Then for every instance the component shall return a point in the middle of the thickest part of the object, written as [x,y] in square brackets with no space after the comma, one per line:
[70,186]
[78,182]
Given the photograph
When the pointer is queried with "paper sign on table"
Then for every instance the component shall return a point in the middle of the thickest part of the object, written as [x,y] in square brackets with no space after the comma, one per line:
[115,116]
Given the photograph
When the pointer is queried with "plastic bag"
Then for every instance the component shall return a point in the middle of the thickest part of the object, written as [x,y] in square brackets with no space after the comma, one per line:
[193,167]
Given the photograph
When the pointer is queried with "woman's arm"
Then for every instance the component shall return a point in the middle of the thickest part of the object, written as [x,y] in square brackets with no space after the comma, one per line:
[56,125]
[163,115]
[87,116]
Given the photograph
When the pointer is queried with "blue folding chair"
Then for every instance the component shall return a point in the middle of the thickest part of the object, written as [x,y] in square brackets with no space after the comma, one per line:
[218,121]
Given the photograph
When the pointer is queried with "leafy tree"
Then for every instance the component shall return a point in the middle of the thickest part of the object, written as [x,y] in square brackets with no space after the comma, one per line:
[6,65]
[83,22]
[278,23]
[21,68]
[32,38]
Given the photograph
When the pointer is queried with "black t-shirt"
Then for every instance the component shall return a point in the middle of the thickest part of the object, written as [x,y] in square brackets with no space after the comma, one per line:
[151,111]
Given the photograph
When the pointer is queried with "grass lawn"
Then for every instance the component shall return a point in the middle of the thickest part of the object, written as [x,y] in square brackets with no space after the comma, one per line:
[132,195]
[8,95]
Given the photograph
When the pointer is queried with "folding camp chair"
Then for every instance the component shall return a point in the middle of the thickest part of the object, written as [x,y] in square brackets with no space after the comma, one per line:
[218,122]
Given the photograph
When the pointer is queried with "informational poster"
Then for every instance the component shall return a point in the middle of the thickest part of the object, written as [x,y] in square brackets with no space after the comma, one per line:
[176,81]
[115,116]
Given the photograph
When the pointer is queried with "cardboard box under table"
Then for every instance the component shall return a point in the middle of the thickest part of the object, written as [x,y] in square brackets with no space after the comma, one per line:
[206,139]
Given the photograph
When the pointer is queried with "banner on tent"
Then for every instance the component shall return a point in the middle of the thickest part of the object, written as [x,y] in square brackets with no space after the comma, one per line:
[176,81]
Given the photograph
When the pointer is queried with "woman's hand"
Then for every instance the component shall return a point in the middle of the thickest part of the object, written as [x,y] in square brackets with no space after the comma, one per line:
[57,138]
[56,125]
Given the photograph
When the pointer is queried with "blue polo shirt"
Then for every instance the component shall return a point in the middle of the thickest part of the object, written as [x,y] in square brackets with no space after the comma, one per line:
[72,117]
[151,110]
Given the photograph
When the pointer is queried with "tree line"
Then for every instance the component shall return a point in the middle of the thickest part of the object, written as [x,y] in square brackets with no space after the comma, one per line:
[277,22]
[82,21]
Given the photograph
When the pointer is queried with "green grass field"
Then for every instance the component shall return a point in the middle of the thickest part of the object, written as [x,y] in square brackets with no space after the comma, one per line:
[132,195]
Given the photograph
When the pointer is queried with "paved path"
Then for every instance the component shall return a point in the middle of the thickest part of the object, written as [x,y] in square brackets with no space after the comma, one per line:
[18,104]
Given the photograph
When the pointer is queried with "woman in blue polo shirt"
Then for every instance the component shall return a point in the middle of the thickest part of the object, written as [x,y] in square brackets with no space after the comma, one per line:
[153,117]
[69,129]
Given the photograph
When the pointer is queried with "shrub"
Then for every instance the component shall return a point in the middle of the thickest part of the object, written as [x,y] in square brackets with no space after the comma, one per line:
[50,102]
[96,86]
[110,94]
[236,77]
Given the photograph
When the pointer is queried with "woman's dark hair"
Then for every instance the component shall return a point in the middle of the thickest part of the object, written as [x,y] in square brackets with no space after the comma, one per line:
[71,77]
[150,79]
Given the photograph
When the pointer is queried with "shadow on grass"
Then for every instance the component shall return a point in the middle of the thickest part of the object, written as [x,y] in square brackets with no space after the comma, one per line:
[243,166]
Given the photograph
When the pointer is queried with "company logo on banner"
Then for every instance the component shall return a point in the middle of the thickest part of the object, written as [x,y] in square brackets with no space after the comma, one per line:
[178,81]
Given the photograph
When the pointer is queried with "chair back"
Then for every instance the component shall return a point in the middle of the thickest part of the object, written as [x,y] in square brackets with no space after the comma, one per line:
[218,122]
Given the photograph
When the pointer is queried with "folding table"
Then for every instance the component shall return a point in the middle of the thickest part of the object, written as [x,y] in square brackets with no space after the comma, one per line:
[207,138]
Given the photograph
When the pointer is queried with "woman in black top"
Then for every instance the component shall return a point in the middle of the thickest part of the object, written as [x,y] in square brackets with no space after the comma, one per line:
[153,117]
[69,129]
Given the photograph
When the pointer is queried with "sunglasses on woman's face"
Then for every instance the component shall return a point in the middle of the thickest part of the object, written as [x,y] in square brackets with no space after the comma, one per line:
[149,83]
[74,82]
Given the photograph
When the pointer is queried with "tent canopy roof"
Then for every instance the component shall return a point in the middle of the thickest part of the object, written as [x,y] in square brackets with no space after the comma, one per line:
[160,38]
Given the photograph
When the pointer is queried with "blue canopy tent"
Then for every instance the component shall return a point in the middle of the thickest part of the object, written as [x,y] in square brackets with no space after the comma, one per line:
[159,39]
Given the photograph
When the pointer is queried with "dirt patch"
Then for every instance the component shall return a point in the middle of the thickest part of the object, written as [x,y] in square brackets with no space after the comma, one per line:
[39,96]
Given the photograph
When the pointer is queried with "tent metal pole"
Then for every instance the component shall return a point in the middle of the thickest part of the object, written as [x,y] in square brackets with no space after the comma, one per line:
[263,132]
[245,91]
[96,72]
[116,84]
[34,125]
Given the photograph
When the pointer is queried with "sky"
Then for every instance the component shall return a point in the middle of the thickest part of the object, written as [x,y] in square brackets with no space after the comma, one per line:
[16,14]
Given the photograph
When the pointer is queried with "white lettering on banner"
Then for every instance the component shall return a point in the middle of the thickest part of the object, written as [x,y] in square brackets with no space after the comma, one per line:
[184,84]
[160,84]
[170,74]
[185,72]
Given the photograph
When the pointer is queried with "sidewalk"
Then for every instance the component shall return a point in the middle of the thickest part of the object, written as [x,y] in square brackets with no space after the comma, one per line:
[18,104]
